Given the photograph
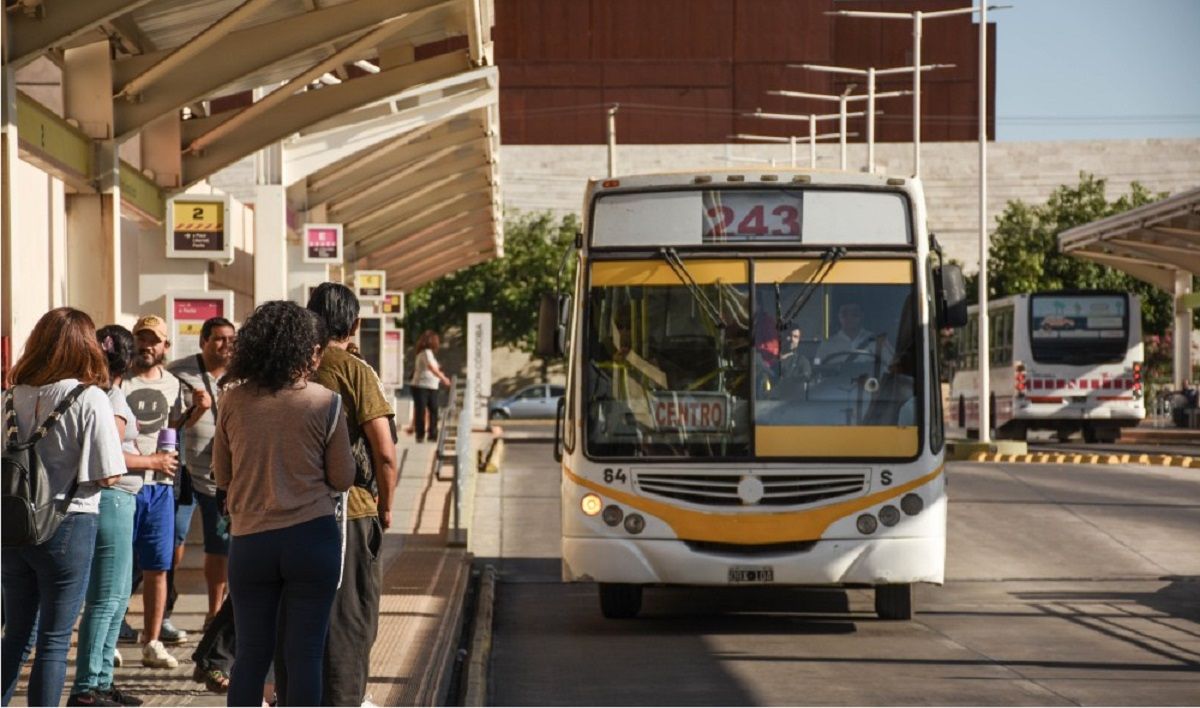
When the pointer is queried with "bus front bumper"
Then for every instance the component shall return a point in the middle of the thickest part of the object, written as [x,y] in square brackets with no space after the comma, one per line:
[874,561]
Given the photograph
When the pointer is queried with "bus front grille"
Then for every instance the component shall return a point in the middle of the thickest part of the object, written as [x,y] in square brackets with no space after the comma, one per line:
[776,490]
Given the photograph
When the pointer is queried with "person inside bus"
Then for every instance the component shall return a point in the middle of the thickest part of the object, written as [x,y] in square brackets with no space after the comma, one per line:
[622,384]
[853,338]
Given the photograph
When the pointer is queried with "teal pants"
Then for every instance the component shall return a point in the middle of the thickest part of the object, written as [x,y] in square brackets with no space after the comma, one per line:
[107,593]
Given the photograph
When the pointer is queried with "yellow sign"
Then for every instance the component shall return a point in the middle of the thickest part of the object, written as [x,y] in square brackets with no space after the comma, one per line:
[197,227]
[370,284]
[199,216]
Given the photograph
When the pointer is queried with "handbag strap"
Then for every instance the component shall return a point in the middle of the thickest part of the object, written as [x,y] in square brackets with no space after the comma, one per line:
[207,385]
[46,425]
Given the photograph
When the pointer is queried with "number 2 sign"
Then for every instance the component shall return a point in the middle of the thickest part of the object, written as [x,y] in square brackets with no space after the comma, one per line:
[752,216]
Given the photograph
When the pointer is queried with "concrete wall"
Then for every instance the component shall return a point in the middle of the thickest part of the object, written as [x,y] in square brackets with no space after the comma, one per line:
[537,177]
[39,247]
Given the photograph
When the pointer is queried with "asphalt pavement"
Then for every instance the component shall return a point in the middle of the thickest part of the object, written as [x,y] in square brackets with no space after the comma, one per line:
[1066,585]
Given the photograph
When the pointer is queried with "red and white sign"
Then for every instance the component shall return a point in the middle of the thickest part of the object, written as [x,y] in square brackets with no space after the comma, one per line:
[691,411]
[186,314]
[322,243]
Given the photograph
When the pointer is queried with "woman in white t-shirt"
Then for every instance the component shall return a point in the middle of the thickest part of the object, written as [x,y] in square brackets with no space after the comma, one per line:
[44,584]
[426,376]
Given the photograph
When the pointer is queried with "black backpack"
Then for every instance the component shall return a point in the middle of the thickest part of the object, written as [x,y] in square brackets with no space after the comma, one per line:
[29,514]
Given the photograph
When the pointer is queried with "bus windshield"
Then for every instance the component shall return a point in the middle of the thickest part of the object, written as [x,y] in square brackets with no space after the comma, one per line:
[846,358]
[664,379]
[1078,329]
[803,369]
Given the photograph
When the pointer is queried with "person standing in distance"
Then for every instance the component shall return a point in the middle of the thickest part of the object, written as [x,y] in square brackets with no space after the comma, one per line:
[425,379]
[155,396]
[201,373]
[354,621]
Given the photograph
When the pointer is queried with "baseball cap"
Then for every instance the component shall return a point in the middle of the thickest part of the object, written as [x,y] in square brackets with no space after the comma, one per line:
[153,323]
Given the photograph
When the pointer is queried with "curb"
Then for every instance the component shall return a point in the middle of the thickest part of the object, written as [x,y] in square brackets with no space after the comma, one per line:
[1060,458]
[480,653]
[433,683]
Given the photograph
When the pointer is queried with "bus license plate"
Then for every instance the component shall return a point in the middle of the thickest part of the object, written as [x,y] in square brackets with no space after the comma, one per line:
[753,574]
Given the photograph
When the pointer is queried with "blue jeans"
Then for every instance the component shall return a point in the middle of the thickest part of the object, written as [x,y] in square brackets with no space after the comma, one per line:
[107,593]
[43,590]
[290,572]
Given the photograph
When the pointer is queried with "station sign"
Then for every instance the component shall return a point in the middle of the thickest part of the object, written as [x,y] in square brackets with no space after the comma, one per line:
[186,314]
[198,227]
[322,243]
[392,304]
[370,285]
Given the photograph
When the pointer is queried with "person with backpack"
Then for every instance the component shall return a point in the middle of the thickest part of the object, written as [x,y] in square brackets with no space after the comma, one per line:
[56,402]
[354,621]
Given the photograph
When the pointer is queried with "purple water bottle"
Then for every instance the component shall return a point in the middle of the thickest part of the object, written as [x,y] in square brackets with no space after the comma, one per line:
[168,440]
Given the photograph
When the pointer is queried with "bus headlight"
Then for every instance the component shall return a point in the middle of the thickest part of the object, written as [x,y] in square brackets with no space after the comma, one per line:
[867,524]
[613,515]
[634,523]
[889,515]
[912,504]
[591,504]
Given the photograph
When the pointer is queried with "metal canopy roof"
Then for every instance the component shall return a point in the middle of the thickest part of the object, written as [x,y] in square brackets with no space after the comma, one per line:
[1150,242]
[386,109]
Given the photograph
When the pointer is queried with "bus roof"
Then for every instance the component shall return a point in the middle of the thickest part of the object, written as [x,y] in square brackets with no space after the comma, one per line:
[768,177]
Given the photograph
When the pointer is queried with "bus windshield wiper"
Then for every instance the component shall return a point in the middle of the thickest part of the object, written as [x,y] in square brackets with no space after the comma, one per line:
[828,259]
[706,305]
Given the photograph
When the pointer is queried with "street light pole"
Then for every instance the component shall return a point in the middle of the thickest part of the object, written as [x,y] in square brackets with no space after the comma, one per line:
[918,20]
[612,140]
[985,384]
[870,73]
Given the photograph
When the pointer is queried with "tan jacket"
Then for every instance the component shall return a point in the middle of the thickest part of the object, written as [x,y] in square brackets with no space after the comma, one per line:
[280,455]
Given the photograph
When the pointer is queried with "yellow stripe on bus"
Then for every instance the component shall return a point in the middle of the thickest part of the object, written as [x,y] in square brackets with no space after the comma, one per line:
[848,271]
[657,272]
[836,440]
[750,528]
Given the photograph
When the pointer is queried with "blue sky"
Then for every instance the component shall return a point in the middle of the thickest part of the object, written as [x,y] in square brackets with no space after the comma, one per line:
[1085,69]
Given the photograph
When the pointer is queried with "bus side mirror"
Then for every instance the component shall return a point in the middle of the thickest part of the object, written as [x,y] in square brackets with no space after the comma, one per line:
[559,414]
[951,293]
[553,313]
[547,326]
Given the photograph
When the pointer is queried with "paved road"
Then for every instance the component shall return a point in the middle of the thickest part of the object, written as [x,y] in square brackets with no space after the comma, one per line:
[1067,585]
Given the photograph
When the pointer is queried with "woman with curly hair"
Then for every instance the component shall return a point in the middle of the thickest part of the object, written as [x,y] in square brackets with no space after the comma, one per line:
[281,449]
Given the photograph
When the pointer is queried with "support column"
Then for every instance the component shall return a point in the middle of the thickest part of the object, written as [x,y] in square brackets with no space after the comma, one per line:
[1182,359]
[8,158]
[270,225]
[94,220]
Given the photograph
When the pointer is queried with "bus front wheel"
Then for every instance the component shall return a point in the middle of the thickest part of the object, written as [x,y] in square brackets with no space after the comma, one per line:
[620,600]
[894,602]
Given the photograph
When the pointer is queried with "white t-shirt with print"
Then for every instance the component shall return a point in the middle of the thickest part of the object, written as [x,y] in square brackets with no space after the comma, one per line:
[83,445]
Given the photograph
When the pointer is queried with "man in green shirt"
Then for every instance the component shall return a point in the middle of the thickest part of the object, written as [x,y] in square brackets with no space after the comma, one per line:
[370,419]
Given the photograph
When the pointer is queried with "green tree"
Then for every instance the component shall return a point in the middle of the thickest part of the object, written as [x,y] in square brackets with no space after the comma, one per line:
[509,287]
[1024,255]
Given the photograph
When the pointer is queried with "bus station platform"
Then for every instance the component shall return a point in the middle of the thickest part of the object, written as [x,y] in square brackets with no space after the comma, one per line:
[424,582]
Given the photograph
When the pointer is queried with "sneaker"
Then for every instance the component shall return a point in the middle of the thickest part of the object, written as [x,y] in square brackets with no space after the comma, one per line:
[156,656]
[90,697]
[168,634]
[113,693]
[117,658]
[128,635]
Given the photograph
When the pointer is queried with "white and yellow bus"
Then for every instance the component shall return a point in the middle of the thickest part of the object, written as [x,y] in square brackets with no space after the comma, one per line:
[752,393]
[1065,361]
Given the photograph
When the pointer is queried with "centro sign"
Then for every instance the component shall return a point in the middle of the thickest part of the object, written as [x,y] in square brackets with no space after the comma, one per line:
[691,411]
